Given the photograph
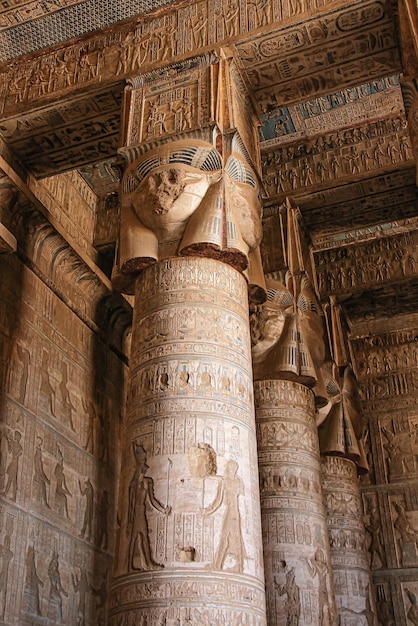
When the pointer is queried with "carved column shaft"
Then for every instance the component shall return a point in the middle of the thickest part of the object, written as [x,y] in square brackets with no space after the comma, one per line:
[347,538]
[296,552]
[190,536]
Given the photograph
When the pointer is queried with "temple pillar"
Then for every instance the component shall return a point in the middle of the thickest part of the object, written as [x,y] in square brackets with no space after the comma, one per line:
[299,586]
[347,539]
[288,358]
[343,459]
[189,540]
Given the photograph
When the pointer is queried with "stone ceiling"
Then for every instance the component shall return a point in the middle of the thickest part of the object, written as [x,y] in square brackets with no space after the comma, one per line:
[327,86]
[27,27]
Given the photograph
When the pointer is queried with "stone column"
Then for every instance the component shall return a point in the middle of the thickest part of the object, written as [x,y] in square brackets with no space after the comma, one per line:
[189,539]
[299,584]
[288,360]
[347,540]
[189,548]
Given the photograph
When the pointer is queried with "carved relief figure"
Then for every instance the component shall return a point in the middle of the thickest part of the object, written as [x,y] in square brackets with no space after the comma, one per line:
[231,17]
[61,489]
[102,517]
[402,524]
[6,556]
[56,590]
[374,529]
[318,567]
[102,594]
[32,583]
[88,492]
[46,390]
[40,479]
[82,587]
[297,6]
[412,613]
[15,450]
[199,28]
[292,592]
[3,458]
[384,607]
[67,405]
[264,11]
[231,544]
[91,419]
[20,361]
[141,493]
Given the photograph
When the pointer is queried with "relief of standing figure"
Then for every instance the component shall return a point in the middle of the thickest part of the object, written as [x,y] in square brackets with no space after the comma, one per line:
[56,590]
[32,582]
[12,470]
[61,489]
[141,492]
[318,567]
[6,556]
[231,544]
[291,590]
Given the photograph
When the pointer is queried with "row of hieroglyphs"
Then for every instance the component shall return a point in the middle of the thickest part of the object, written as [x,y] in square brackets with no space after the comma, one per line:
[148,42]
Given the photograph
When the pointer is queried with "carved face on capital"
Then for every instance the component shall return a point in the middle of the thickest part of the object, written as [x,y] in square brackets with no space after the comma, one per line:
[269,320]
[245,204]
[169,195]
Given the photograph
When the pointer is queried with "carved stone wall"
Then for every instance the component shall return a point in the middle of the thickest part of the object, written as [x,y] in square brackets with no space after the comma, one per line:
[60,409]
[189,542]
[61,393]
[387,369]
[72,205]
[299,583]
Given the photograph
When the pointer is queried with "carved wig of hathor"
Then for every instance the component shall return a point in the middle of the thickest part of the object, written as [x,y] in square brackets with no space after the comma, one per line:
[180,199]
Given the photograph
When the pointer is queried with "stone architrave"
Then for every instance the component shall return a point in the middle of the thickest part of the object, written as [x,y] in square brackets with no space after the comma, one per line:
[299,585]
[410,95]
[347,539]
[189,542]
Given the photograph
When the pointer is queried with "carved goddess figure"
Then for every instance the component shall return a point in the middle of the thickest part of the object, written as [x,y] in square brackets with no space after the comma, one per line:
[32,583]
[6,556]
[15,451]
[231,544]
[56,590]
[141,492]
[61,489]
[40,479]
[291,590]
[318,567]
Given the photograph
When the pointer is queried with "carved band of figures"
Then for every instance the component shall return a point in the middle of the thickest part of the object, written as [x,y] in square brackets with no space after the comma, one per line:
[148,42]
[389,259]
[274,392]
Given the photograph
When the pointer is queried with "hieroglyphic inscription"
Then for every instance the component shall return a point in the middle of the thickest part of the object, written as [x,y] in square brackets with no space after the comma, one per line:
[152,41]
[304,60]
[389,367]
[375,146]
[388,259]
